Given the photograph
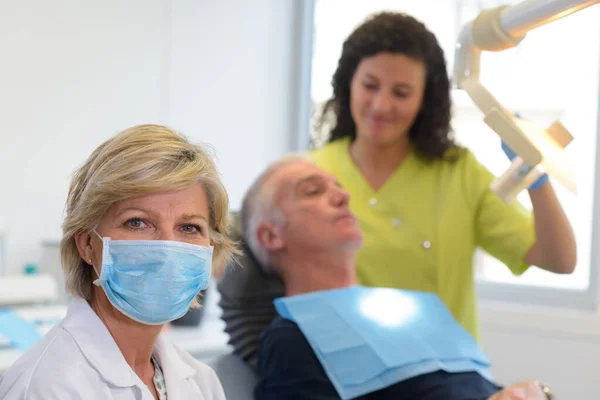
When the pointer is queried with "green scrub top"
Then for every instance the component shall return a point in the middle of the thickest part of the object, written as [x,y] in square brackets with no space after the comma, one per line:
[423,225]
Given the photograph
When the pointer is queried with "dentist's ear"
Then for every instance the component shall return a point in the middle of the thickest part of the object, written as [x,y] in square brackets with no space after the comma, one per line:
[85,246]
[269,236]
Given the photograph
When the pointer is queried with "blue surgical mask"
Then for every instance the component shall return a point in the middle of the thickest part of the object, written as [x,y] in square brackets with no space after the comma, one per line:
[153,281]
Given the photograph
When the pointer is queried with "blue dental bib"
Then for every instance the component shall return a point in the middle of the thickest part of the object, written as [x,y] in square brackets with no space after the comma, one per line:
[370,338]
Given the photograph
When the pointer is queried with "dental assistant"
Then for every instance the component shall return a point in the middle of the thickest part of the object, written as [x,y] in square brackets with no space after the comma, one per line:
[424,203]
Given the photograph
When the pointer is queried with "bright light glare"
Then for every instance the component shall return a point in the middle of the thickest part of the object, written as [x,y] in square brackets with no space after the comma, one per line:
[554,162]
[388,307]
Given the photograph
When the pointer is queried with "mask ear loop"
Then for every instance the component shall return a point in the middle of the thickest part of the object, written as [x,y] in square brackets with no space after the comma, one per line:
[96,281]
[97,234]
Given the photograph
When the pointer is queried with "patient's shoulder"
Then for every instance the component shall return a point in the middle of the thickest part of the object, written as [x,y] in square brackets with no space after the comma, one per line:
[282,329]
[284,352]
[283,338]
[288,367]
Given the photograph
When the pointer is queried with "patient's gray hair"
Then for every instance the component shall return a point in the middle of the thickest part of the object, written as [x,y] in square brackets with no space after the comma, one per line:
[259,207]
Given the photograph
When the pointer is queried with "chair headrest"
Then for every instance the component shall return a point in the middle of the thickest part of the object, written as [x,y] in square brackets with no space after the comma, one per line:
[247,295]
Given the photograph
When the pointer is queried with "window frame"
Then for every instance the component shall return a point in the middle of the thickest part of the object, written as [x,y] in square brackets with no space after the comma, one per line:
[304,100]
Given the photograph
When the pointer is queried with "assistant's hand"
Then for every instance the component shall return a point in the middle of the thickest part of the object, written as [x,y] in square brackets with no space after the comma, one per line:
[511,155]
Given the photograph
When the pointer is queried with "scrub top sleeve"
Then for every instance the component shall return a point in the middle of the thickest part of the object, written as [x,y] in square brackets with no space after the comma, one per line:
[505,231]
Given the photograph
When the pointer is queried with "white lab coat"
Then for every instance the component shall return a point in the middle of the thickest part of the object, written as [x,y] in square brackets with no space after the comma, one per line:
[78,359]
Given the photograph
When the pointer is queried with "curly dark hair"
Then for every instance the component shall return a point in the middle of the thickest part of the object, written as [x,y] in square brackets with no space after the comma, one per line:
[431,133]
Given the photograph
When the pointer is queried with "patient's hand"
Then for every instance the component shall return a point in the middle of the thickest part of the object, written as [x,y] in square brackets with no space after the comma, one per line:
[521,391]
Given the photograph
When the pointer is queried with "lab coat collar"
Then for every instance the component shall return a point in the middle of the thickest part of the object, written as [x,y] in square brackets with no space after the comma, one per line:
[97,344]
[175,370]
[99,347]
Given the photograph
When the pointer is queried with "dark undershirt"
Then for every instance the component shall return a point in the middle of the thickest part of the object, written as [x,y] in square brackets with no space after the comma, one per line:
[289,369]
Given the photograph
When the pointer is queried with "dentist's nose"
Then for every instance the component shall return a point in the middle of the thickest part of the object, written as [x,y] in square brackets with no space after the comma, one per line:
[166,234]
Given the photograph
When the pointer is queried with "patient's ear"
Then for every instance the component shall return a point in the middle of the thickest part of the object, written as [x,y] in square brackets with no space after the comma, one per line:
[269,236]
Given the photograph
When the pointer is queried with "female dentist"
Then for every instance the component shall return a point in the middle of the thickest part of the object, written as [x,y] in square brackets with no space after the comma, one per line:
[144,214]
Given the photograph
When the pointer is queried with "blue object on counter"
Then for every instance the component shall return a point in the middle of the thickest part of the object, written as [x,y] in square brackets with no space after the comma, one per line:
[20,333]
[30,269]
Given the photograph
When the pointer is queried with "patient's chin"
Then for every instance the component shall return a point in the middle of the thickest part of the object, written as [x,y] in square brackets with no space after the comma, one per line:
[353,240]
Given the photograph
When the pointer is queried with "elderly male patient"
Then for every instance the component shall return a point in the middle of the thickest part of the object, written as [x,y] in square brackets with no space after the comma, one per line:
[298,225]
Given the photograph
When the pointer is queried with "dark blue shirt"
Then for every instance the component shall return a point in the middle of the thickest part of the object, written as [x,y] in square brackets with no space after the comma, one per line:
[288,369]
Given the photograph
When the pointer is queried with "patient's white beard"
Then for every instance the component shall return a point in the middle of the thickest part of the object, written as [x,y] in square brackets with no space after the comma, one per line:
[306,277]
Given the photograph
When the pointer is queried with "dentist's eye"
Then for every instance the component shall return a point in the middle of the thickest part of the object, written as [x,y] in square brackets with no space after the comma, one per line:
[135,223]
[190,228]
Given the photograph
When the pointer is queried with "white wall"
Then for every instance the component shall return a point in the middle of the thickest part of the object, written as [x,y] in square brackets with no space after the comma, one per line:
[558,347]
[75,73]
[231,81]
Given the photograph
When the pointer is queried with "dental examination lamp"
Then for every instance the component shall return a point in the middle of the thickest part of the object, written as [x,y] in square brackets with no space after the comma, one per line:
[538,150]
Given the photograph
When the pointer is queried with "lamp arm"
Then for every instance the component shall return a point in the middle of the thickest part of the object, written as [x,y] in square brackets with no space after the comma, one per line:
[496,30]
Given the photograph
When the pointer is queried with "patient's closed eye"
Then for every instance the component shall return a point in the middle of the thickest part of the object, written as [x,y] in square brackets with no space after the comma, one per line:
[311,189]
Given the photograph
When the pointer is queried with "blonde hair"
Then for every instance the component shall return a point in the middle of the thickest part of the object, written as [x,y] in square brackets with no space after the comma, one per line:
[140,160]
[259,206]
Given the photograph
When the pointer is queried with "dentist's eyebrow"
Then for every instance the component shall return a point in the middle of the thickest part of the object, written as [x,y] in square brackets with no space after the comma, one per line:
[136,209]
[191,217]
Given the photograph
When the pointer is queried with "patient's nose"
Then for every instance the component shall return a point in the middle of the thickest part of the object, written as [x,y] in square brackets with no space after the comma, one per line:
[340,197]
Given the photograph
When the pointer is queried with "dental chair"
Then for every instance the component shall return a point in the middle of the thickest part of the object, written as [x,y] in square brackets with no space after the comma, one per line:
[247,295]
[237,378]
